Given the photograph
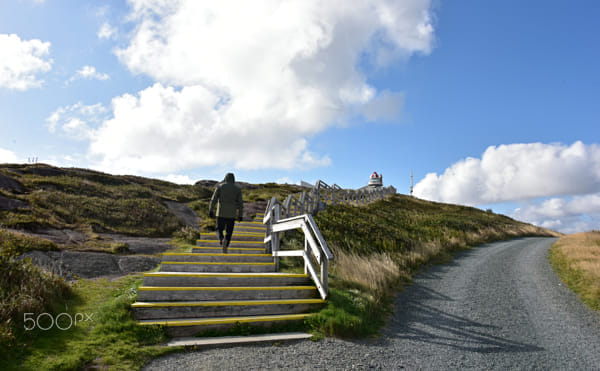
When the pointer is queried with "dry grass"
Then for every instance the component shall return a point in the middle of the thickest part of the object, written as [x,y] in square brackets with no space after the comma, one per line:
[576,259]
[376,272]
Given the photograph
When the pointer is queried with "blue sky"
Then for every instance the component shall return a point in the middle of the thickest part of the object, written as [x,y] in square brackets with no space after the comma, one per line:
[492,104]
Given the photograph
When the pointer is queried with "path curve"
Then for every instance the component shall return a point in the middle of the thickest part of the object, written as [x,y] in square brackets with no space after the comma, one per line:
[497,306]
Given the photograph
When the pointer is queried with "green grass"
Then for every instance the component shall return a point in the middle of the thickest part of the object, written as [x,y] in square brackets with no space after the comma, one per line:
[111,339]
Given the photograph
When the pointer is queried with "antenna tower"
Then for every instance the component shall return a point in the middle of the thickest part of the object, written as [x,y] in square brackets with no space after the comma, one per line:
[411,183]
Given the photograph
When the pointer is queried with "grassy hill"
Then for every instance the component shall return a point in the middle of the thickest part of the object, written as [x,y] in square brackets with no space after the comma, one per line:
[34,197]
[377,249]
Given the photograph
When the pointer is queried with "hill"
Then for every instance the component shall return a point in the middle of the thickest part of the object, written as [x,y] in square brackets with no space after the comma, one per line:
[377,249]
[84,204]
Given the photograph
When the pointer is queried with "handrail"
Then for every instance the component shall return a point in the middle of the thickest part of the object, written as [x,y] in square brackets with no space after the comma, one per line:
[323,194]
[314,245]
[296,213]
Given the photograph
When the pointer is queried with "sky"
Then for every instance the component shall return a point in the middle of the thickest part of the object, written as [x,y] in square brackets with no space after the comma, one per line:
[492,104]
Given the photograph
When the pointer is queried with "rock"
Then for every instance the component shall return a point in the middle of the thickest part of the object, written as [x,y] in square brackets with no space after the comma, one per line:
[74,264]
[61,236]
[130,264]
[9,184]
[10,204]
[186,215]
[139,245]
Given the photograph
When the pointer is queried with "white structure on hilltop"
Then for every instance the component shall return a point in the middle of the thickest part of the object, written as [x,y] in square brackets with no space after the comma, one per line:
[376,180]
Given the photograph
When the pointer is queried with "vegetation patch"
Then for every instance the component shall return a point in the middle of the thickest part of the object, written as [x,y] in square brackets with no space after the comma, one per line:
[107,336]
[576,260]
[24,289]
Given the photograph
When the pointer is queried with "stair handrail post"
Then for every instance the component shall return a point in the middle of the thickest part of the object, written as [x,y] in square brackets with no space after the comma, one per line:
[288,205]
[314,246]
[275,240]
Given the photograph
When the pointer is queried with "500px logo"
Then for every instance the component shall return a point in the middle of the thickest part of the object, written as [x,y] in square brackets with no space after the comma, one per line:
[45,321]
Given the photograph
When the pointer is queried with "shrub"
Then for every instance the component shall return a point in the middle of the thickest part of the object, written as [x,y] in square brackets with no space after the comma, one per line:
[187,234]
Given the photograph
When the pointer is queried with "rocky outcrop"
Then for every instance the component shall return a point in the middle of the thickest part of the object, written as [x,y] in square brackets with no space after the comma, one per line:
[186,215]
[9,184]
[10,204]
[72,264]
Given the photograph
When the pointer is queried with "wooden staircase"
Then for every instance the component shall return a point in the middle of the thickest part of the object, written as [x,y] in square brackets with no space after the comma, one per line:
[207,290]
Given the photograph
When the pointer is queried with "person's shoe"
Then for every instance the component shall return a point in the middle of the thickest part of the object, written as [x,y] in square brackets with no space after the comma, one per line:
[224,246]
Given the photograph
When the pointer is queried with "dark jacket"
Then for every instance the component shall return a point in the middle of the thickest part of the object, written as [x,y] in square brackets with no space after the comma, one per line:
[228,199]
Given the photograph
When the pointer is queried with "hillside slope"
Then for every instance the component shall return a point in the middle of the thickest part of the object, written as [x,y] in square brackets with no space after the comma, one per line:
[376,247]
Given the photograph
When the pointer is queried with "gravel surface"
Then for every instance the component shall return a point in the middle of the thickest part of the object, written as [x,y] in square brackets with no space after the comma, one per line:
[498,306]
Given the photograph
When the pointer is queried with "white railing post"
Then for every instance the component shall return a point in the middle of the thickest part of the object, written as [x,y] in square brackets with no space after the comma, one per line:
[307,252]
[275,236]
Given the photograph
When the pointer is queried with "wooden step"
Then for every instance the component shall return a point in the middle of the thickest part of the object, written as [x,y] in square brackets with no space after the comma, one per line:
[217,257]
[237,236]
[250,228]
[205,309]
[233,243]
[192,326]
[230,250]
[217,267]
[176,293]
[187,279]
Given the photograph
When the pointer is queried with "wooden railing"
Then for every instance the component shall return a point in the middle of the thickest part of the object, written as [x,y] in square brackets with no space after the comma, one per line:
[322,195]
[314,243]
[296,213]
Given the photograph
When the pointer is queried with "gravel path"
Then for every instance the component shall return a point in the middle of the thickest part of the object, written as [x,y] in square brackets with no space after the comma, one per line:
[498,306]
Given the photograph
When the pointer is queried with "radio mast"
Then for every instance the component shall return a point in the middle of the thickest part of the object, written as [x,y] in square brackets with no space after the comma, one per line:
[411,183]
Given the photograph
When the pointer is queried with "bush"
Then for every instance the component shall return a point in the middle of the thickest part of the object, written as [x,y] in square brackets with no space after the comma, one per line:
[187,234]
[24,289]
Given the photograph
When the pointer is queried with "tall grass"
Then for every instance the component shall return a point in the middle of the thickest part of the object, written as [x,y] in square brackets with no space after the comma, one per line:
[576,259]
[24,288]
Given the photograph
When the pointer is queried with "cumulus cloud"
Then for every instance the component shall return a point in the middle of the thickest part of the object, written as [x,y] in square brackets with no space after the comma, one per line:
[247,83]
[517,172]
[579,213]
[8,157]
[77,121]
[21,61]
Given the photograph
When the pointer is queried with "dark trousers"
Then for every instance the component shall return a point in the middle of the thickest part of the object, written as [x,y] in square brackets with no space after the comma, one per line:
[227,225]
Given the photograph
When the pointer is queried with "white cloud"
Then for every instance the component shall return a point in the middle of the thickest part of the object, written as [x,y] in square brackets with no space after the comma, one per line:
[74,121]
[88,73]
[8,157]
[557,184]
[178,179]
[21,61]
[517,172]
[107,31]
[248,83]
[580,213]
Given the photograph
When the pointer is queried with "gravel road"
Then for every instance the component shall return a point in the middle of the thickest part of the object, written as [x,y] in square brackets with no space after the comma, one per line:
[497,306]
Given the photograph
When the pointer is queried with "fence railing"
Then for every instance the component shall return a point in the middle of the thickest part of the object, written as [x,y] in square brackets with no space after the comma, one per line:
[315,246]
[322,195]
[296,213]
